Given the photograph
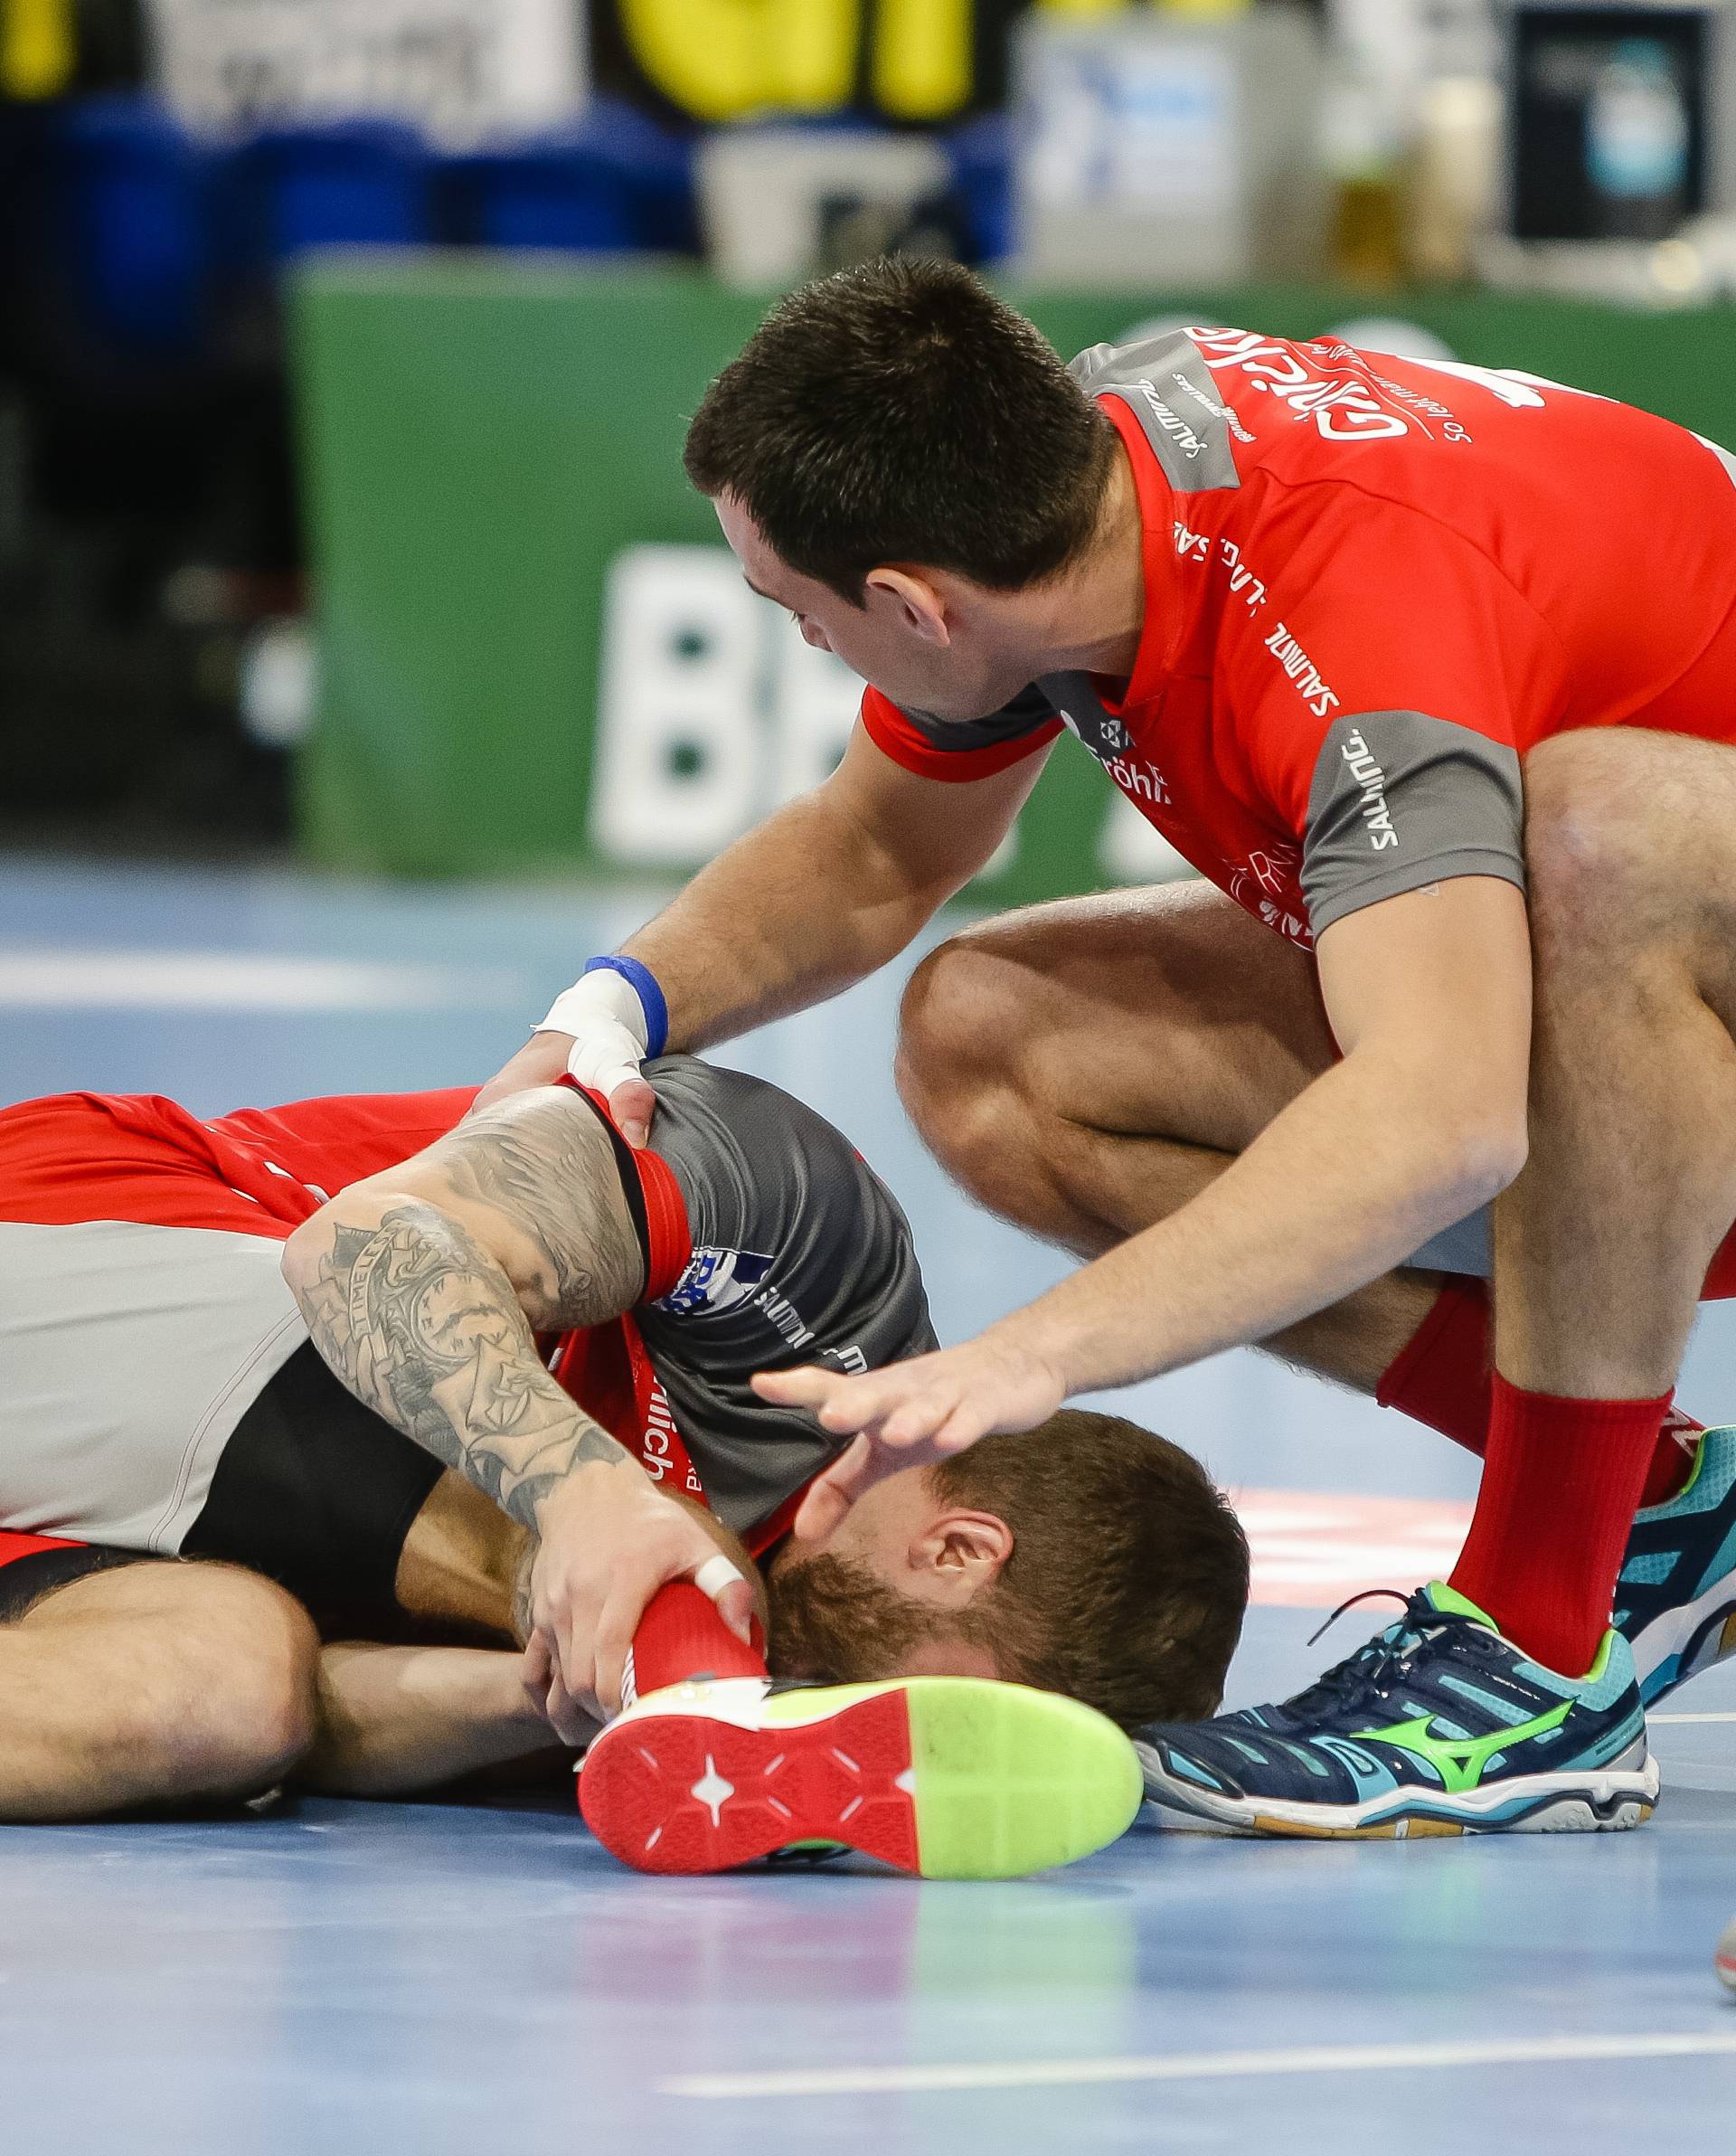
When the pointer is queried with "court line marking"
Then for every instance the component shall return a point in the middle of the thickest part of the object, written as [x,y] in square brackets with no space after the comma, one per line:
[1654,1718]
[1200,2066]
[45,976]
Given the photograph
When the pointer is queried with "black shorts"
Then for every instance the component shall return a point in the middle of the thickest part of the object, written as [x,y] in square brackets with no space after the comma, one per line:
[28,1571]
[313,1489]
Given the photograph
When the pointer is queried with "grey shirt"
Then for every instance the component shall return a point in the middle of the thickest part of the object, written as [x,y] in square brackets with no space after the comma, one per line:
[800,1255]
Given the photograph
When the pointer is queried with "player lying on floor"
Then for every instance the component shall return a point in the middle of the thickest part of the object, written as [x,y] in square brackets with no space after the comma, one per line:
[164,1397]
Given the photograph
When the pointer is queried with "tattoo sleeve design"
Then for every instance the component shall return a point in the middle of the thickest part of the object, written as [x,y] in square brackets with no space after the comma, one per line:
[546,1165]
[423,1326]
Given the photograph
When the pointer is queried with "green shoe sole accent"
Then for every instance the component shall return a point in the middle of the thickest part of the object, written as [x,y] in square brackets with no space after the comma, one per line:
[1011,1781]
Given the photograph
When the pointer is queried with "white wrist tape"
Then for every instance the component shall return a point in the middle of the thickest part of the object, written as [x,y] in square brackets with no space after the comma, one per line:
[715,1576]
[603,1013]
[601,997]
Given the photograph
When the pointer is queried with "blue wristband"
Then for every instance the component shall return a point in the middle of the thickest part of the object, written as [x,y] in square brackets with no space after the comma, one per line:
[643,983]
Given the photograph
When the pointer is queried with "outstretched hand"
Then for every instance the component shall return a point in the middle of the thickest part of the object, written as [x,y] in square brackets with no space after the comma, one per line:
[910,1413]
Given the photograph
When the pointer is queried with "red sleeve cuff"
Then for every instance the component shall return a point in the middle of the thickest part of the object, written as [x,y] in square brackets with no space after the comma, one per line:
[894,735]
[669,1237]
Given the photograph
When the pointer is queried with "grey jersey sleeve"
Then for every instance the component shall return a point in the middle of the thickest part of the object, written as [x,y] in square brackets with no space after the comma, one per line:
[800,1255]
[1029,712]
[1399,800]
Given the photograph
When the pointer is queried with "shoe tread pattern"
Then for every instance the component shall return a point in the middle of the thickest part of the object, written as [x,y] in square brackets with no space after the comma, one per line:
[837,1780]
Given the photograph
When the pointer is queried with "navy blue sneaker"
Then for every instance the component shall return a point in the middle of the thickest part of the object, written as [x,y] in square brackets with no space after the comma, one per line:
[1676,1600]
[1438,1727]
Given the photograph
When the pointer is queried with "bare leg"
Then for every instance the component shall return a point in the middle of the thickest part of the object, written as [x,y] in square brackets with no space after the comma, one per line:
[461,1561]
[157,1684]
[1602,1244]
[1086,1068]
[396,1719]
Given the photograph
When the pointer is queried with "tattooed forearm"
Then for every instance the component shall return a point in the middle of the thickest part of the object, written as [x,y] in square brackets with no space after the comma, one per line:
[421,1324]
[524,1585]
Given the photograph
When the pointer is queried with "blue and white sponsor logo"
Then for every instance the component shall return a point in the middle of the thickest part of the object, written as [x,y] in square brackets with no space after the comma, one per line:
[716,1280]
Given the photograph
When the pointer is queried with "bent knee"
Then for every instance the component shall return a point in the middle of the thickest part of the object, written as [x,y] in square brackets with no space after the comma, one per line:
[963,1030]
[259,1715]
[1592,801]
[947,1020]
[153,1685]
[226,1697]
[958,1062]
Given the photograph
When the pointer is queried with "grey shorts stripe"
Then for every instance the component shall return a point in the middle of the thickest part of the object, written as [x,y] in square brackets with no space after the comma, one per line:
[1467,1246]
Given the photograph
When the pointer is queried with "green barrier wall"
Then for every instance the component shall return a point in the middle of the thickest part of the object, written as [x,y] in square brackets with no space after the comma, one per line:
[482,439]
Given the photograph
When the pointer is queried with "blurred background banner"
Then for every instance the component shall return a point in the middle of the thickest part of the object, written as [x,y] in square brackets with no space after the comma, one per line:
[461,69]
[346,346]
[538,654]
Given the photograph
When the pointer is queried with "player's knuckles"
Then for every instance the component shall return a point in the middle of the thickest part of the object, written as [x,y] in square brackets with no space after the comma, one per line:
[857,1408]
[915,1420]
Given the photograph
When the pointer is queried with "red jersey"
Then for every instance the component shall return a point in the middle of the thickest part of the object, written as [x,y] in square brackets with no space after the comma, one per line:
[1371,585]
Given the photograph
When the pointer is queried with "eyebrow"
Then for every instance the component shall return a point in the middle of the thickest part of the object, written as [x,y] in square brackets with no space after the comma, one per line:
[755,589]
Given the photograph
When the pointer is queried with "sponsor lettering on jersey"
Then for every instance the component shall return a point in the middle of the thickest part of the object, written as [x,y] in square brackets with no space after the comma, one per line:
[1360,762]
[661,1450]
[1219,412]
[1143,780]
[1342,410]
[1271,868]
[1192,546]
[782,1313]
[1432,406]
[1261,883]
[1292,926]
[1190,444]
[853,1359]
[1243,583]
[723,1280]
[1302,670]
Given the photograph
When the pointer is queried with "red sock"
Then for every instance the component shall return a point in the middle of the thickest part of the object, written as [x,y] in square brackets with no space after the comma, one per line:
[680,1635]
[1562,1481]
[1441,1376]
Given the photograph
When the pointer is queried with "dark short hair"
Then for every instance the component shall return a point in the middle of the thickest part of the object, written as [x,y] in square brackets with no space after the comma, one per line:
[1129,1577]
[899,411]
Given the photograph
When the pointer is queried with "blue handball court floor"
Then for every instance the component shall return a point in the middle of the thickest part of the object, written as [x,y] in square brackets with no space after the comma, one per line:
[337,1978]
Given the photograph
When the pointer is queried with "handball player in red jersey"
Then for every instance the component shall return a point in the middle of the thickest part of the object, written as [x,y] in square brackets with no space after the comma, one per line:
[362,1361]
[1430,671]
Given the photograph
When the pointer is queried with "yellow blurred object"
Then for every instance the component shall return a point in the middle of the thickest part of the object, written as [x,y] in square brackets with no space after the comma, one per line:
[37,47]
[1367,239]
[922,65]
[729,59]
[722,59]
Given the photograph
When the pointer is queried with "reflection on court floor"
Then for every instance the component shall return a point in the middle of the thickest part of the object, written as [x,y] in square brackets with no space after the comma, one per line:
[1312,1552]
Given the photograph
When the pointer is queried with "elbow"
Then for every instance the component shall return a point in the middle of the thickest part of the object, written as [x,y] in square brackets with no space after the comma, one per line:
[1480,1159]
[302,1253]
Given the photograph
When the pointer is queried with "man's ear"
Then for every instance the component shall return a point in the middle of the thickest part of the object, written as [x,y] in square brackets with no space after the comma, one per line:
[958,1555]
[917,604]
